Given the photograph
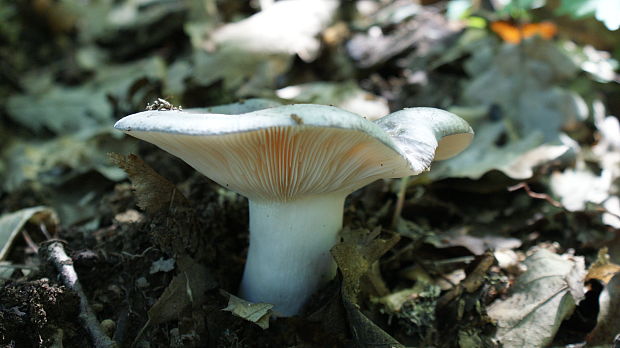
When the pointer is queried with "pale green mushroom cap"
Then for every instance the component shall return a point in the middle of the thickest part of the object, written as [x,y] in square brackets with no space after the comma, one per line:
[292,151]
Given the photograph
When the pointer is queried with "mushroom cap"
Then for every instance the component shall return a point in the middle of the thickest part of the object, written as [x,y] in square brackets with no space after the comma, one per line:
[411,128]
[292,151]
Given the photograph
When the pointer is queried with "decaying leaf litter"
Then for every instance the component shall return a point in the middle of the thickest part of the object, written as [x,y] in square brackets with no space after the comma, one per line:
[449,258]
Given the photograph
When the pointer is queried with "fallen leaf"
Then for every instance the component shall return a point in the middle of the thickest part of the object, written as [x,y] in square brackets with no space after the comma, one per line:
[248,55]
[602,269]
[472,282]
[162,265]
[576,187]
[420,30]
[288,27]
[242,74]
[517,159]
[355,257]
[521,81]
[599,64]
[540,300]
[366,333]
[12,224]
[584,189]
[65,110]
[257,313]
[61,110]
[477,245]
[187,288]
[153,191]
[54,162]
[608,321]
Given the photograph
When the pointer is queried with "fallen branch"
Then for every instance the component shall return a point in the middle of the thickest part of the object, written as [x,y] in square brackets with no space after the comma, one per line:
[57,256]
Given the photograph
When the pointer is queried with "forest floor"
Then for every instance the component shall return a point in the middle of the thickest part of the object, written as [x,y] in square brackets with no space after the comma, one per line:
[512,243]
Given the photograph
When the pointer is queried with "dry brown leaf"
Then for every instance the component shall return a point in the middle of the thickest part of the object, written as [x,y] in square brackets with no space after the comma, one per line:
[186,288]
[153,191]
[603,269]
[355,259]
[257,313]
[477,245]
[366,333]
[473,281]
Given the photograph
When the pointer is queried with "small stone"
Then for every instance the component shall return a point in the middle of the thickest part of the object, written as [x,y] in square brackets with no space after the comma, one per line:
[129,216]
[115,289]
[142,282]
[108,326]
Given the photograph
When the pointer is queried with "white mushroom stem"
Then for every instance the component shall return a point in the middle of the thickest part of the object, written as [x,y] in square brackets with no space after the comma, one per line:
[289,256]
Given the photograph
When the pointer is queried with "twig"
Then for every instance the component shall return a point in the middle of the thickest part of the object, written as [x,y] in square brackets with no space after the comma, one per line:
[142,254]
[400,201]
[57,256]
[546,197]
[31,244]
[536,195]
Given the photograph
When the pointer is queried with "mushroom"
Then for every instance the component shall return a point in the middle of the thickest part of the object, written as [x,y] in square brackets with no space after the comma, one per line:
[296,164]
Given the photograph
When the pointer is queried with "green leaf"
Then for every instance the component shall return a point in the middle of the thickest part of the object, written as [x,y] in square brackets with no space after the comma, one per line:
[517,159]
[65,110]
[577,8]
[54,162]
[61,110]
[606,11]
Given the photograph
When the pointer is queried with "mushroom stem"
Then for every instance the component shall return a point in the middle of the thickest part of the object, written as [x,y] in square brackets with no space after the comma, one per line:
[289,256]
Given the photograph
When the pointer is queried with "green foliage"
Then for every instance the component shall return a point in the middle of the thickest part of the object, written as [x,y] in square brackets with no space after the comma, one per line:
[606,11]
[64,110]
[519,9]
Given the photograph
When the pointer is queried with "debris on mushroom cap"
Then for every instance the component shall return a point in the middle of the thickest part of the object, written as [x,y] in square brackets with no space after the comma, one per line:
[162,104]
[269,154]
